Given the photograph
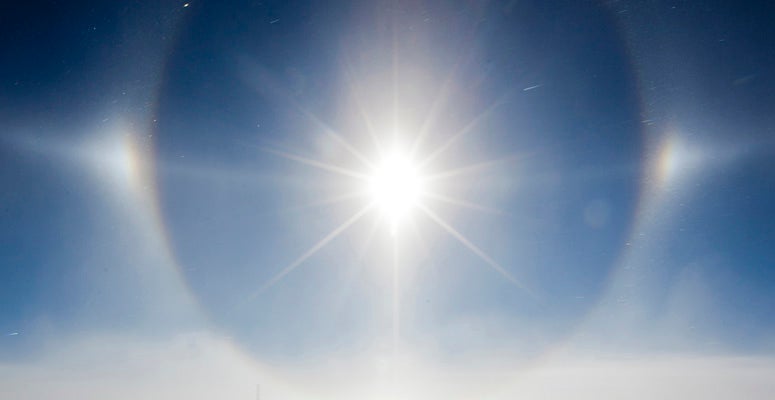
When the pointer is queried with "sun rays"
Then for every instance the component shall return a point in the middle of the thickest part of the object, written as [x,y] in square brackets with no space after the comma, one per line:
[399,191]
[314,249]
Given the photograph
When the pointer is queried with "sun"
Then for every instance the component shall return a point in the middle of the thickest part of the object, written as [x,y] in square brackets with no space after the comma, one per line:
[396,187]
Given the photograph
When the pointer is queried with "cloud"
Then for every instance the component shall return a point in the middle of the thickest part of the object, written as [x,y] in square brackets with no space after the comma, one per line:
[190,366]
[204,366]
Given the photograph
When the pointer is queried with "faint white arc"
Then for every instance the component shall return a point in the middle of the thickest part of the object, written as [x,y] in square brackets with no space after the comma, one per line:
[463,132]
[353,89]
[324,202]
[468,168]
[463,203]
[317,164]
[462,239]
[349,147]
[314,249]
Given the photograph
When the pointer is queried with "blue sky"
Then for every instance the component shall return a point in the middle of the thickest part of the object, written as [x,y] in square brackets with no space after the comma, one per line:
[187,191]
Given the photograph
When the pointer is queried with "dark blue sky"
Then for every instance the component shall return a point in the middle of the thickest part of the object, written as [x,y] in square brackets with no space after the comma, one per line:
[604,176]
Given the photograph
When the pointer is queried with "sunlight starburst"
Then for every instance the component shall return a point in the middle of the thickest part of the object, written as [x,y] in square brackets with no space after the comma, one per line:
[401,184]
[396,187]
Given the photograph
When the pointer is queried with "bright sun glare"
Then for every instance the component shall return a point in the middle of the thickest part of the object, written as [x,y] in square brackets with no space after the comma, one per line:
[396,187]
